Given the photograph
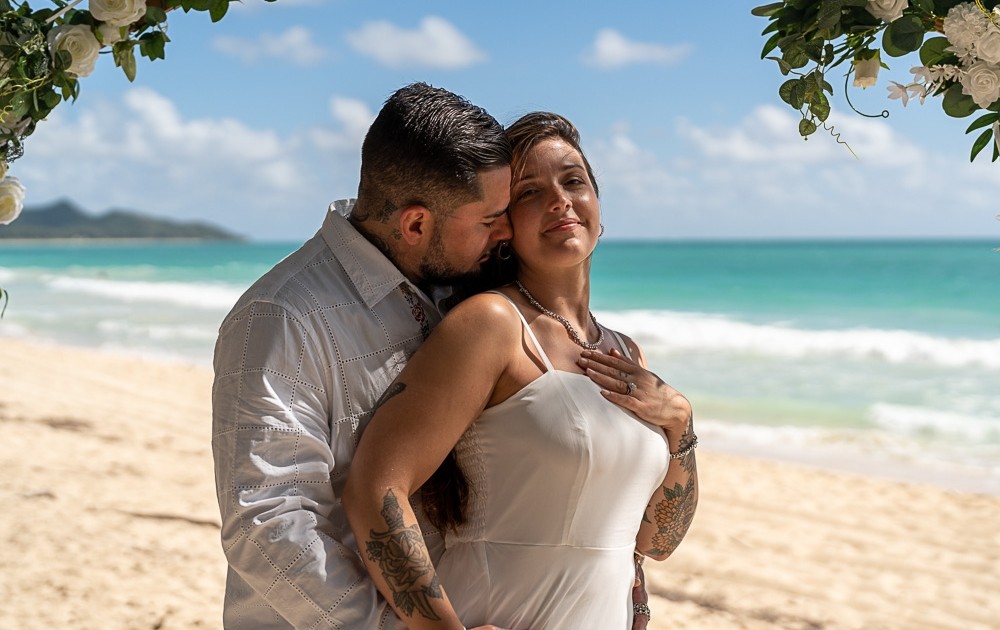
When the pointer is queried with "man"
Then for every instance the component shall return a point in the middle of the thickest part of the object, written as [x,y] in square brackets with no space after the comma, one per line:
[304,355]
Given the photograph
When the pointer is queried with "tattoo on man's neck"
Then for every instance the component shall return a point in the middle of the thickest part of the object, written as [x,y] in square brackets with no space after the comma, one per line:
[400,553]
[374,239]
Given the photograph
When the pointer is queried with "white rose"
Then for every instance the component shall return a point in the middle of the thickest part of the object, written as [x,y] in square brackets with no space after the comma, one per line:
[963,25]
[11,199]
[866,72]
[118,12]
[982,82]
[988,45]
[887,10]
[80,43]
[109,34]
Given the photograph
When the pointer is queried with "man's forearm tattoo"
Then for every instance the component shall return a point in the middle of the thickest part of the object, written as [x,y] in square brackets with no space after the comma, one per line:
[400,554]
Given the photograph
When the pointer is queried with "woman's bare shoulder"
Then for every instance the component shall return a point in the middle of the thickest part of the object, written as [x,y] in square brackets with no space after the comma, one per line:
[486,310]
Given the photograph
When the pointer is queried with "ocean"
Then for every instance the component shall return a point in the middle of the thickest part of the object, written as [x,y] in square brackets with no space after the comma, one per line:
[877,357]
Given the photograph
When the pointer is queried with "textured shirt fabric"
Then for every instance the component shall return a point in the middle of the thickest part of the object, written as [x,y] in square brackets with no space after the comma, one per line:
[300,362]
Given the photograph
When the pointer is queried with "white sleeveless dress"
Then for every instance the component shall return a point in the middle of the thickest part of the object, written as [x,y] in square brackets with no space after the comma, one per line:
[560,479]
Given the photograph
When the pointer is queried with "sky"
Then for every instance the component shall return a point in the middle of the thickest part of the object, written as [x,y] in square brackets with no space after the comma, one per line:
[255,123]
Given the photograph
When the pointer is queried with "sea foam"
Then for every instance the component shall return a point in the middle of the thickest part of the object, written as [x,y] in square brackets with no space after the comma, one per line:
[198,295]
[670,331]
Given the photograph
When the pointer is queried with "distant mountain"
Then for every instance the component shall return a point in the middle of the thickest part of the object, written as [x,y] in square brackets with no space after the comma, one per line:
[63,219]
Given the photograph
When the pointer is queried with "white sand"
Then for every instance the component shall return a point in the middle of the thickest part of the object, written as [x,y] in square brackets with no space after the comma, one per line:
[109,520]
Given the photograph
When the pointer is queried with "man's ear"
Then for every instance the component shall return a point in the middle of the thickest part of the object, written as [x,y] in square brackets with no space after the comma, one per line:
[416,223]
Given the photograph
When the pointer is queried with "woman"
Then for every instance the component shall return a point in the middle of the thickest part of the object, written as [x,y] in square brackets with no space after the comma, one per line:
[571,455]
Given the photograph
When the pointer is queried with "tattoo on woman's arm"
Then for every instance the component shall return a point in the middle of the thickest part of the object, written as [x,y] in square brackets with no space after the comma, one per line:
[400,554]
[675,512]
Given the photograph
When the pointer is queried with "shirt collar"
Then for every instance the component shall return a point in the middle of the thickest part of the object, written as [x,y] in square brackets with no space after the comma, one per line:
[373,275]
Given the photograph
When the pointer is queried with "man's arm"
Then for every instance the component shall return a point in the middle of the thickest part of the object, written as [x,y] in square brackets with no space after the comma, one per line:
[273,459]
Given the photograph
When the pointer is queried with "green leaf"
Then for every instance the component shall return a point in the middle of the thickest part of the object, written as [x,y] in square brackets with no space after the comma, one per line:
[785,92]
[782,65]
[155,15]
[124,53]
[806,127]
[903,36]
[765,10]
[151,45]
[956,104]
[770,44]
[927,6]
[933,51]
[820,106]
[982,121]
[828,16]
[795,56]
[218,11]
[980,143]
[773,26]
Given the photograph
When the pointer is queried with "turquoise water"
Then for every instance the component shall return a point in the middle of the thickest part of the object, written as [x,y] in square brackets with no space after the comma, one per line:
[877,353]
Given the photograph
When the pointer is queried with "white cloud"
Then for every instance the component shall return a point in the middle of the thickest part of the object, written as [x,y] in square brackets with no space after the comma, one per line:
[294,45]
[436,43]
[143,154]
[353,117]
[612,50]
[770,133]
[759,178]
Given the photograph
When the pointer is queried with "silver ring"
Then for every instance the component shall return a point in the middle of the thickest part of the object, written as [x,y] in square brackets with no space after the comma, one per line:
[641,609]
[630,388]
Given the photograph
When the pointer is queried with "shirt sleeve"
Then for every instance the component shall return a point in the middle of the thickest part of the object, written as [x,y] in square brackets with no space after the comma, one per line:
[273,459]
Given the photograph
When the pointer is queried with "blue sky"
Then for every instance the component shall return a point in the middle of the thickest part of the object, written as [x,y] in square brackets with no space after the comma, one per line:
[255,123]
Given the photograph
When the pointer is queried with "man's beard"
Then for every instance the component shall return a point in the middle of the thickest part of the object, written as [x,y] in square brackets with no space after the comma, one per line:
[435,269]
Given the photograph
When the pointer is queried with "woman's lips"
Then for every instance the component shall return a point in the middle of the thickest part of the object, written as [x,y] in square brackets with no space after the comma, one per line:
[565,224]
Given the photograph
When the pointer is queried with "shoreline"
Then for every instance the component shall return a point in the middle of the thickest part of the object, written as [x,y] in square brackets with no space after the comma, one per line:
[119,448]
[715,435]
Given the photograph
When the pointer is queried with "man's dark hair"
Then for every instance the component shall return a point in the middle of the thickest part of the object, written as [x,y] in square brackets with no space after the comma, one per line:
[427,147]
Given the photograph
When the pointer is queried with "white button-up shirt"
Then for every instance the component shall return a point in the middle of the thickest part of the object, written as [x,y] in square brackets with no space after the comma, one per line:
[300,362]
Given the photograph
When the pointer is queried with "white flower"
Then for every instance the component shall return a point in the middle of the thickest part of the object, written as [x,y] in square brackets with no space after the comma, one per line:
[118,12]
[921,74]
[109,34]
[944,72]
[866,71]
[982,82]
[80,43]
[963,25]
[898,90]
[988,45]
[11,199]
[996,132]
[888,10]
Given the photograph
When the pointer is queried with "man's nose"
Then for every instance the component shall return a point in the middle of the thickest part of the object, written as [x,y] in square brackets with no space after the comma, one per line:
[502,230]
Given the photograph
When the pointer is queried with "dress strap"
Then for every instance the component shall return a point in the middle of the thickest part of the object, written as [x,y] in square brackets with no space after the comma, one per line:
[534,340]
[621,345]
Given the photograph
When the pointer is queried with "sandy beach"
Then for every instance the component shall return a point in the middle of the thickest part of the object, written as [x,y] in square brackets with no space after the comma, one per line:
[110,520]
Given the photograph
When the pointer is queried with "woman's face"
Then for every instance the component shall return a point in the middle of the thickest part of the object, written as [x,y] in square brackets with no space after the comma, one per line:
[554,209]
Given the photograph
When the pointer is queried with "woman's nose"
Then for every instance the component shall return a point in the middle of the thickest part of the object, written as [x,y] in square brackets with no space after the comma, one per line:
[559,201]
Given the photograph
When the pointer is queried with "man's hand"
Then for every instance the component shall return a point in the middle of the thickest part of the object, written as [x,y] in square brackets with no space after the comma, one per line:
[639,599]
